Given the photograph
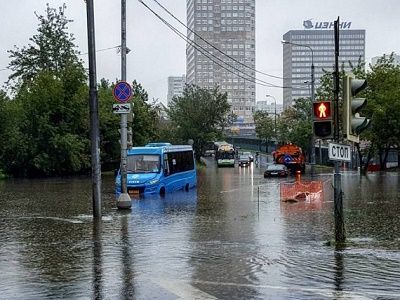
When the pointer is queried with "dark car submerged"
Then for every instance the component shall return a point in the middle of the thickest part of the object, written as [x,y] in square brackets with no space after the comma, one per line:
[276,170]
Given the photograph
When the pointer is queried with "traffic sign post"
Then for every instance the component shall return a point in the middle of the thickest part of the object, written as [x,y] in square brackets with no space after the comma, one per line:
[339,152]
[340,234]
[122,92]
[120,108]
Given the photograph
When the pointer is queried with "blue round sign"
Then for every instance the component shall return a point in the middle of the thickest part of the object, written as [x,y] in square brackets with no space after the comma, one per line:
[122,92]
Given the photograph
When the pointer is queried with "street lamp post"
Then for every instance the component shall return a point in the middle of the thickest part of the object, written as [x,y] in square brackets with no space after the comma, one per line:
[312,100]
[274,112]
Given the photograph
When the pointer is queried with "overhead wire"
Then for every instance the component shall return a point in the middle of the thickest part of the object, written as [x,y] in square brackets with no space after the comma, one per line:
[210,55]
[101,50]
[214,47]
[80,54]
[207,53]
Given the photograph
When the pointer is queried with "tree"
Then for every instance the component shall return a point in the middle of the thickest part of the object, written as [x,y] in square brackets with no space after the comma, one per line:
[383,95]
[265,126]
[52,49]
[200,114]
[108,127]
[48,134]
[144,124]
[145,119]
[294,125]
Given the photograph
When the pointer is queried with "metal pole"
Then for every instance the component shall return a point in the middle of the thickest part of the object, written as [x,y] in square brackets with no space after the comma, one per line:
[94,114]
[124,201]
[274,112]
[320,153]
[340,235]
[312,123]
[275,119]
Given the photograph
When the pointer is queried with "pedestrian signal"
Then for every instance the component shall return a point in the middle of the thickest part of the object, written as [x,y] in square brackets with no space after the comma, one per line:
[322,115]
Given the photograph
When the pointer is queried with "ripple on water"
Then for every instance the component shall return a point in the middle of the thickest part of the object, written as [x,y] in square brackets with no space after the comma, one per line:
[369,270]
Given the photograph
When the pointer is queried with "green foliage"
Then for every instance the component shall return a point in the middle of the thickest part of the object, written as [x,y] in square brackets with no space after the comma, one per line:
[265,125]
[200,114]
[52,49]
[145,123]
[294,125]
[146,117]
[109,124]
[45,128]
[383,96]
[50,128]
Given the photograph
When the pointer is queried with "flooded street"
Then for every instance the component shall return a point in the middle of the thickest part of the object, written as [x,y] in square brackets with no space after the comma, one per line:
[230,238]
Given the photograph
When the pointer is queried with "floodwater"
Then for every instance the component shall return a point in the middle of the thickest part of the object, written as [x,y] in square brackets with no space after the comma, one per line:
[230,238]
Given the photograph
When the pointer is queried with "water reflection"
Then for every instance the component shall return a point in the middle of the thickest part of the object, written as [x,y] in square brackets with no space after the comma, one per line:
[221,240]
[339,269]
[97,260]
[127,262]
[222,232]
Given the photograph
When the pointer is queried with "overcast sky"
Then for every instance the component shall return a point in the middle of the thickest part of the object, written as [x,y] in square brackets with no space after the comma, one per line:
[157,52]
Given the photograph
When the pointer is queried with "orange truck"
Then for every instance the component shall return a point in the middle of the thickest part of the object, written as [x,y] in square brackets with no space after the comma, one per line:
[291,156]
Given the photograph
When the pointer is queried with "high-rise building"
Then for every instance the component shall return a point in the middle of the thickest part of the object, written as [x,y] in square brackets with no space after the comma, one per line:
[270,108]
[219,27]
[176,85]
[316,44]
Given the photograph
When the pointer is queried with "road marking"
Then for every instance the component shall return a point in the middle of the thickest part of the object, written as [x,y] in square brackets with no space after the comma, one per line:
[74,221]
[182,289]
[185,290]
[325,292]
[229,191]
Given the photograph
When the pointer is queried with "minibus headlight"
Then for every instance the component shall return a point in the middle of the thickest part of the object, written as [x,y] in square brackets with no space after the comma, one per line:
[153,181]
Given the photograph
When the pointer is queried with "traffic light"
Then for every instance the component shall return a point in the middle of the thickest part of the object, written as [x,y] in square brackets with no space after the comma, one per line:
[322,115]
[353,123]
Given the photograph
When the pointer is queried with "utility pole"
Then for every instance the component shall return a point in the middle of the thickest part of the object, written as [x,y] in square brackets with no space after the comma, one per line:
[312,103]
[124,201]
[94,114]
[340,235]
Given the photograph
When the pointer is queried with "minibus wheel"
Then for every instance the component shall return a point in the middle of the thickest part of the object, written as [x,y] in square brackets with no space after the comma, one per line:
[162,191]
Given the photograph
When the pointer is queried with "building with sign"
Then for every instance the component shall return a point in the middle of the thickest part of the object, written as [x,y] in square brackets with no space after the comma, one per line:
[223,51]
[316,44]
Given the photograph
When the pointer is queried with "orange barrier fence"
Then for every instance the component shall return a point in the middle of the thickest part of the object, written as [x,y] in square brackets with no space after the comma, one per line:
[302,191]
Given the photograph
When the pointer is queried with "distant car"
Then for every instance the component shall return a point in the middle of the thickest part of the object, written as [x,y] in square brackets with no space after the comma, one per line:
[244,160]
[276,170]
[209,152]
[249,155]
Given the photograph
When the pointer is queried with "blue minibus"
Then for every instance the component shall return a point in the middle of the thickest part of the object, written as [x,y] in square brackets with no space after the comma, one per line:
[158,169]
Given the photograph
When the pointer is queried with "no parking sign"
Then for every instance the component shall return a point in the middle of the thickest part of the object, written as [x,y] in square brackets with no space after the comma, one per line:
[122,92]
